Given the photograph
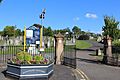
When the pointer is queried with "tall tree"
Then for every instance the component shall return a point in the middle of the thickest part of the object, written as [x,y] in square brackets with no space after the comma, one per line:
[0,1]
[48,31]
[9,30]
[76,30]
[18,32]
[111,27]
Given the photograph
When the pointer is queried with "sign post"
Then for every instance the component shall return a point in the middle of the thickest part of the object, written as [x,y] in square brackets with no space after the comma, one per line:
[24,39]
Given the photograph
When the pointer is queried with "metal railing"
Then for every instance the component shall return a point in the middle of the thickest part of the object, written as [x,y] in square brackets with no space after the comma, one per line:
[10,52]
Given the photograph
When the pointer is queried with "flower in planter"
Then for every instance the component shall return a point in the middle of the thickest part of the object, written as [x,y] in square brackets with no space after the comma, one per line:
[46,61]
[26,58]
[38,58]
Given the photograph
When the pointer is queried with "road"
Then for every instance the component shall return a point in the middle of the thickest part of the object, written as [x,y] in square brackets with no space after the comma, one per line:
[93,69]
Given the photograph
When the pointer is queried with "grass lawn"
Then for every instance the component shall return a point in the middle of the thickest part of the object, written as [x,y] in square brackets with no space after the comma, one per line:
[81,44]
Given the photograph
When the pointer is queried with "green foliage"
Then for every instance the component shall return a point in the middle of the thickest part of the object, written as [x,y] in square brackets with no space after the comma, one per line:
[39,58]
[111,27]
[48,31]
[76,30]
[1,1]
[24,56]
[0,32]
[62,31]
[18,32]
[83,37]
[11,31]
[116,43]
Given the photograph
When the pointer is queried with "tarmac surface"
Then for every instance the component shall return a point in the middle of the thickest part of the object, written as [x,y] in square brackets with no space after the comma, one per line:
[93,69]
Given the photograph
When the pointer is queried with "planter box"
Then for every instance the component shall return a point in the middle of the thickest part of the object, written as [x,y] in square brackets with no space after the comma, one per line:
[34,71]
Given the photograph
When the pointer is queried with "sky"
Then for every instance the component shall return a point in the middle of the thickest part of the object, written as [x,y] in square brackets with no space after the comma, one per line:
[60,14]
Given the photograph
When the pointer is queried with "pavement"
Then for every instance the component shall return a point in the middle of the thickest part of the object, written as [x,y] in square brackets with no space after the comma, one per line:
[93,69]
[61,72]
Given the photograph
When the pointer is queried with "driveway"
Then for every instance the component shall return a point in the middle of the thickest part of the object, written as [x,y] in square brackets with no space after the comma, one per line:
[93,69]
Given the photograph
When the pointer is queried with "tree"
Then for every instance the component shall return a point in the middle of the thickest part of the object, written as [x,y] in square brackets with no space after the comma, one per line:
[76,30]
[18,32]
[48,31]
[9,30]
[62,31]
[111,27]
[1,1]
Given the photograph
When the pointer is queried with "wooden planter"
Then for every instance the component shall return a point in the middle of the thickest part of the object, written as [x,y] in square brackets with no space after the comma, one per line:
[34,71]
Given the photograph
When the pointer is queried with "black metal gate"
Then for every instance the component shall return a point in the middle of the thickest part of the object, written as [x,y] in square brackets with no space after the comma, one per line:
[69,57]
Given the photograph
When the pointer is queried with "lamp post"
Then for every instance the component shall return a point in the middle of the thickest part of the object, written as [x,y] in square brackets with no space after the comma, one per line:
[41,30]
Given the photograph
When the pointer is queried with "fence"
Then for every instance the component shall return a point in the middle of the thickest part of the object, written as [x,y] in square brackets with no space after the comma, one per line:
[115,59]
[10,52]
[69,57]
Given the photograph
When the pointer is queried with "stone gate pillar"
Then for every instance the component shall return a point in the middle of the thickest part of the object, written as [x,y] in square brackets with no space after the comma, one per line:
[59,44]
[107,49]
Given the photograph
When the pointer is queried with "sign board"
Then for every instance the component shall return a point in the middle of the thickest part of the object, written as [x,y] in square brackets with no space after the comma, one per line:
[29,33]
[32,36]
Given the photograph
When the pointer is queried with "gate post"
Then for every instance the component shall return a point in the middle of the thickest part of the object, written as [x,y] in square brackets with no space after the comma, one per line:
[58,47]
[107,49]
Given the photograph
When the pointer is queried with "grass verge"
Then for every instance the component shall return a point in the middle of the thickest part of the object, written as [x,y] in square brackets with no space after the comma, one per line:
[81,44]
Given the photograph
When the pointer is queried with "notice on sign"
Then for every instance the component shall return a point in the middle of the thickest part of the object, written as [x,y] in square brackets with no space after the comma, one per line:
[29,33]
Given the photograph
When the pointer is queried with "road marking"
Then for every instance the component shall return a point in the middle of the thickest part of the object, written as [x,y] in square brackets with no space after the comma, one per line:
[82,79]
[80,74]
[83,75]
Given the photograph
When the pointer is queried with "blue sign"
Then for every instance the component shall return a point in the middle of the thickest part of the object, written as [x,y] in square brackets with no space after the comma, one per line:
[32,35]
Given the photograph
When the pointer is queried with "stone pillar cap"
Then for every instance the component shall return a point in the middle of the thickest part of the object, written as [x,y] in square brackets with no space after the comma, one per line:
[59,35]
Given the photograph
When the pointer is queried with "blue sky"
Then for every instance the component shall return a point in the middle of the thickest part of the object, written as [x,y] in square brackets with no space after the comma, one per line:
[60,14]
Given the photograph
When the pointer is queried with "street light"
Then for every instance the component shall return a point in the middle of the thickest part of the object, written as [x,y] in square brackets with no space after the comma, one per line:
[41,30]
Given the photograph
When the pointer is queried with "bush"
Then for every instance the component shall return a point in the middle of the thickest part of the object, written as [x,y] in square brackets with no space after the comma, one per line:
[116,43]
[83,37]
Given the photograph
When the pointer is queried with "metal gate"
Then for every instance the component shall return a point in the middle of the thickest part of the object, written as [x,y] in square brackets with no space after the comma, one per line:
[69,57]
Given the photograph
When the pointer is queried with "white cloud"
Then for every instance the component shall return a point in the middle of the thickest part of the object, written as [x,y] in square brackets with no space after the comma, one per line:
[76,19]
[90,15]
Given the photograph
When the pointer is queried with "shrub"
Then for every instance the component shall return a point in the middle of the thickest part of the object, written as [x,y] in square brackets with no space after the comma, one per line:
[83,37]
[116,43]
